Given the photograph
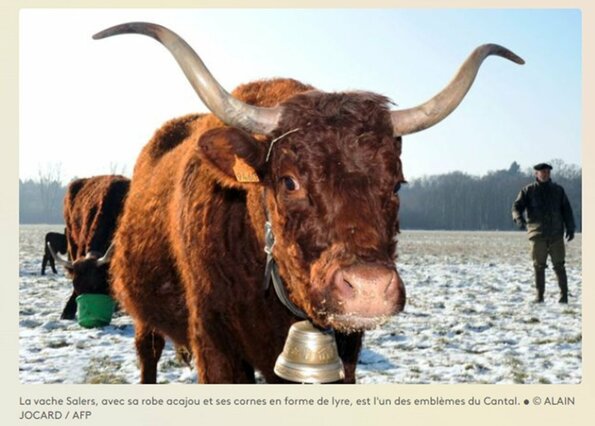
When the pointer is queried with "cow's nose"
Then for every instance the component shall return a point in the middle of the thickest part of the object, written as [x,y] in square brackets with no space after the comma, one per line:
[367,282]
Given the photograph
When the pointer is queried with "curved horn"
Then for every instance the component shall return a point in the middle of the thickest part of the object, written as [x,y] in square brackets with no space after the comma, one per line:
[436,109]
[107,256]
[227,108]
[58,258]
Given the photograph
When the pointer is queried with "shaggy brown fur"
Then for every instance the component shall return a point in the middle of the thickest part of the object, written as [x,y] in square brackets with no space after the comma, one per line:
[189,260]
[91,210]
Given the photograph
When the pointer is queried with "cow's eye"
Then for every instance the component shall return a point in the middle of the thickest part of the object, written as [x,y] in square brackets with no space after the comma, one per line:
[290,183]
[397,187]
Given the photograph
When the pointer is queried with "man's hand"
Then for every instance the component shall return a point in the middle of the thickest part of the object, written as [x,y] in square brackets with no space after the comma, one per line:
[569,236]
[521,224]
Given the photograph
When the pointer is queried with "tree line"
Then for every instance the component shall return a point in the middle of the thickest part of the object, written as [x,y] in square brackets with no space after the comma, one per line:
[458,201]
[452,201]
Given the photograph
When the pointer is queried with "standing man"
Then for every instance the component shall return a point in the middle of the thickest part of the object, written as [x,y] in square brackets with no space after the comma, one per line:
[548,215]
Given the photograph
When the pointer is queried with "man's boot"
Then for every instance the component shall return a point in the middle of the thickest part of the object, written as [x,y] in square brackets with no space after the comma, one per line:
[563,283]
[539,284]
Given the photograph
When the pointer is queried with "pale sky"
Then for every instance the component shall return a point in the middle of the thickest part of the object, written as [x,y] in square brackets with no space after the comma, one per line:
[90,106]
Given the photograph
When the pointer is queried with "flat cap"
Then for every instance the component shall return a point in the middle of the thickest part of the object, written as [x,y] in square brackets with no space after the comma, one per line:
[542,166]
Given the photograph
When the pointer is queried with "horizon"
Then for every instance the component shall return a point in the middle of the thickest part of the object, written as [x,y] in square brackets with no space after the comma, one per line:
[528,170]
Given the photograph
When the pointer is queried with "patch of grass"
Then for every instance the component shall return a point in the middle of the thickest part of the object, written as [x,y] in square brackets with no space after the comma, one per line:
[562,376]
[169,364]
[477,367]
[56,344]
[481,369]
[174,363]
[405,348]
[570,340]
[519,375]
[475,351]
[575,339]
[465,378]
[441,341]
[103,370]
[546,341]
[544,381]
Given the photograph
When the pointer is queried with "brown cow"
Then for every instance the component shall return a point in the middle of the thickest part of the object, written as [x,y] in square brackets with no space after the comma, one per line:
[320,169]
[91,210]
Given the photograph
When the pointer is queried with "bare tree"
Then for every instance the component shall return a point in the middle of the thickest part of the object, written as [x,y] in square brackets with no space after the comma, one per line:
[568,171]
[50,185]
[115,168]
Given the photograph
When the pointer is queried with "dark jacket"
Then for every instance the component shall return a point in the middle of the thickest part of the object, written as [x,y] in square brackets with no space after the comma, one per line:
[548,210]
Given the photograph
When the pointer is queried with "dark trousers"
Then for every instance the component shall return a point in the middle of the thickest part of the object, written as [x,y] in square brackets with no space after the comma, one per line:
[541,248]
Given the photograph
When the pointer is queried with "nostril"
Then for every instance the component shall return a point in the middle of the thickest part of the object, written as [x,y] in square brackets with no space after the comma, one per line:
[349,290]
[343,286]
[392,284]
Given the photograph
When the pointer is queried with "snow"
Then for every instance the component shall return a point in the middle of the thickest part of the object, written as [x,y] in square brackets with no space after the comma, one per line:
[469,318]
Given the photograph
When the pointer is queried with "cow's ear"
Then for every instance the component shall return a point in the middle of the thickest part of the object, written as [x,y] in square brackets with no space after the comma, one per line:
[234,156]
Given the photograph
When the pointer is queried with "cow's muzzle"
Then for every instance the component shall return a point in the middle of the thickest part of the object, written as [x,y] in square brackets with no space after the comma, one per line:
[363,296]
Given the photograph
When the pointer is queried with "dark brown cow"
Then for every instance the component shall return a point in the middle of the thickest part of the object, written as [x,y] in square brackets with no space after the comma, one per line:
[58,243]
[322,168]
[92,207]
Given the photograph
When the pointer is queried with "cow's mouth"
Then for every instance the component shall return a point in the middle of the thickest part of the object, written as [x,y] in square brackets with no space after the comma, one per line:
[358,297]
[352,322]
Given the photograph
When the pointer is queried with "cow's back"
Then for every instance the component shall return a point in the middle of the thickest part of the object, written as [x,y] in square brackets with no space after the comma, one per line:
[57,240]
[91,210]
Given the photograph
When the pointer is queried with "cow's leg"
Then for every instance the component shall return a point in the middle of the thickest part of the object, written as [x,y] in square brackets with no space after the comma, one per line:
[44,262]
[52,264]
[69,311]
[217,361]
[149,345]
[349,346]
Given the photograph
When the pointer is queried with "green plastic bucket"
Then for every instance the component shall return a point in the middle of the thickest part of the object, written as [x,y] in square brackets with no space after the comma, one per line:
[94,310]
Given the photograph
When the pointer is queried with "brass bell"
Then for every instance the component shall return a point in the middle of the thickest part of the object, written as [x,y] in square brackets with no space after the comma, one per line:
[310,355]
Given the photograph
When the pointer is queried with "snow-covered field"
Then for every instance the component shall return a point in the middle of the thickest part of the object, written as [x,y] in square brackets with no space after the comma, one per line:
[468,319]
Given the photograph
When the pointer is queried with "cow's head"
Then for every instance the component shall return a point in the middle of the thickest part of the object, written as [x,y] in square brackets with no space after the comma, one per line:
[90,273]
[329,170]
[330,190]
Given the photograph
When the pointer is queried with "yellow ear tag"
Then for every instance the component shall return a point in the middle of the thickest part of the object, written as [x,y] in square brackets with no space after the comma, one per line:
[244,173]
